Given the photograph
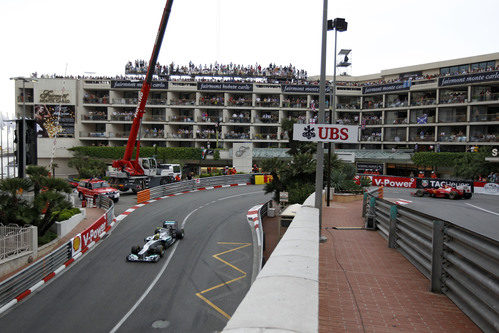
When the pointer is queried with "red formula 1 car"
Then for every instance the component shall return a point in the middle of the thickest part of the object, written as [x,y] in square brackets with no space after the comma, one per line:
[446,191]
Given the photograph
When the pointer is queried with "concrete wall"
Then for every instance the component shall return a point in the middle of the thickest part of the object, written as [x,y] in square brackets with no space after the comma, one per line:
[64,227]
[285,295]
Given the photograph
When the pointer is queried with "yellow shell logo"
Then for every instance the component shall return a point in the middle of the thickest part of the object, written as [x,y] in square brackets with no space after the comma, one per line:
[76,243]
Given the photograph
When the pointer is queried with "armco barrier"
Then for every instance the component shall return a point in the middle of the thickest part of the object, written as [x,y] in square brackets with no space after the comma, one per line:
[459,263]
[22,284]
[255,217]
[285,294]
[194,184]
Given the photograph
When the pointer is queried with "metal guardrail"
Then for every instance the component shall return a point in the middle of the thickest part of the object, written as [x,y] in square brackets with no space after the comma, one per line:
[458,262]
[193,184]
[36,272]
[15,240]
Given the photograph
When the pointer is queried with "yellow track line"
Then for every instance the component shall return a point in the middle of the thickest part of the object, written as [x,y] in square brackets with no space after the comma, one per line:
[216,256]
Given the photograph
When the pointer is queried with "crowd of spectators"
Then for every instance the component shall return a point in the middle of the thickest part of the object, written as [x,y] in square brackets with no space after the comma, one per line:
[153,133]
[122,116]
[95,99]
[241,101]
[182,133]
[268,101]
[449,96]
[288,74]
[272,70]
[211,100]
[206,133]
[237,135]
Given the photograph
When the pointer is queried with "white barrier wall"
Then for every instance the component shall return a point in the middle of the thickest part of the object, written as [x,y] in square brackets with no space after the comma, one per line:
[285,295]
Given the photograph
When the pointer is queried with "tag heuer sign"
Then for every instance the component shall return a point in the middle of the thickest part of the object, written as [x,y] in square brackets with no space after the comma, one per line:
[325,133]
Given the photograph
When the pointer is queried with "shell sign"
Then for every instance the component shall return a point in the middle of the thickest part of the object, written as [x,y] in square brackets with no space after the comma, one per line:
[76,244]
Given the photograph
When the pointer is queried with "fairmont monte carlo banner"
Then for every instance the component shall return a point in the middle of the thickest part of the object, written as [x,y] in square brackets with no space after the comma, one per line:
[468,78]
[326,133]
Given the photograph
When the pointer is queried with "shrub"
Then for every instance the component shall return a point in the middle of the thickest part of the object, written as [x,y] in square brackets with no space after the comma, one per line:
[46,238]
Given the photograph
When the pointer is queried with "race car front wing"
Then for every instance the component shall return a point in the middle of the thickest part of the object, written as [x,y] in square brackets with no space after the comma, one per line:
[150,258]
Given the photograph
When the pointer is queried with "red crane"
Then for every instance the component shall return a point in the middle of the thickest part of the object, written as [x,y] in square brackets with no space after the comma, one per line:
[126,164]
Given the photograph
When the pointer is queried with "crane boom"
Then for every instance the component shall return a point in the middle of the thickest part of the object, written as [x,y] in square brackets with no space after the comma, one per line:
[126,164]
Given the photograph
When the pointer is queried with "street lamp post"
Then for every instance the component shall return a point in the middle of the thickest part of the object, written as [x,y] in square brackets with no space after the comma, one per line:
[338,24]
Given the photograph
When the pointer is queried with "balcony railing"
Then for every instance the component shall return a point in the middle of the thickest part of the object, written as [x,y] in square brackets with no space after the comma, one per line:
[485,117]
[486,97]
[125,101]
[212,102]
[372,105]
[156,101]
[96,100]
[424,101]
[299,120]
[397,104]
[429,120]
[423,138]
[452,138]
[371,138]
[237,136]
[484,138]
[265,136]
[294,104]
[268,104]
[122,117]
[208,136]
[240,102]
[245,120]
[119,134]
[211,119]
[453,99]
[94,117]
[347,121]
[93,134]
[266,120]
[182,102]
[374,121]
[455,119]
[179,135]
[396,121]
[182,119]
[153,134]
[395,138]
[154,117]
[348,106]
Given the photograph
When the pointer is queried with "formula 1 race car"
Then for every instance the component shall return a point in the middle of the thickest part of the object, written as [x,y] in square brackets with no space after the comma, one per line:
[156,245]
[446,191]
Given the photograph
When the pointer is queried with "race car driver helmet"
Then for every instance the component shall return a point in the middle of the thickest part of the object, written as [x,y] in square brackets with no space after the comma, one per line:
[156,236]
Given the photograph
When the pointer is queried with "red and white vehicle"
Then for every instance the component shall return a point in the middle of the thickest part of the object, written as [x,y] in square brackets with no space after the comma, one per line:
[446,191]
[94,187]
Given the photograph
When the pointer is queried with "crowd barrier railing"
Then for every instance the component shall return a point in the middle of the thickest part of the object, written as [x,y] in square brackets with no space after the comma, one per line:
[191,185]
[459,263]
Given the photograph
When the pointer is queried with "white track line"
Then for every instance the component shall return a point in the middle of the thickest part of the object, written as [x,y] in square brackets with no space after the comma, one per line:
[485,210]
[153,283]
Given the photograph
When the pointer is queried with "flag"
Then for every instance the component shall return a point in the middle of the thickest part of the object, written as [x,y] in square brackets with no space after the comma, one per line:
[423,119]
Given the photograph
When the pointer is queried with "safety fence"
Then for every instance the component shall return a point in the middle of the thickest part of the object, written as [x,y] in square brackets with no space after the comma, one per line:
[26,281]
[458,262]
[255,217]
[15,240]
[193,184]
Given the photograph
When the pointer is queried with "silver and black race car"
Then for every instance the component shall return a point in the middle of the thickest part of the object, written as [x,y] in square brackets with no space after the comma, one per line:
[156,245]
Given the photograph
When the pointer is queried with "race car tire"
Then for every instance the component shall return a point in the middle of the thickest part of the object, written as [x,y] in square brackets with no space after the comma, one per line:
[453,195]
[135,249]
[80,195]
[116,200]
[467,195]
[179,234]
[419,193]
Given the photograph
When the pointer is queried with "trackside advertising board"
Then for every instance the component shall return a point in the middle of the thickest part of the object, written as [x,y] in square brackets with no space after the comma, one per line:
[326,133]
[81,241]
[436,183]
[389,181]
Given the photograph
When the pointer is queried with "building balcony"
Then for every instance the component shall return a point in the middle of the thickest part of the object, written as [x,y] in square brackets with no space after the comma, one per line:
[287,104]
[485,138]
[28,99]
[179,135]
[212,102]
[181,119]
[453,100]
[348,106]
[374,121]
[485,117]
[451,138]
[267,104]
[485,98]
[155,117]
[453,119]
[237,119]
[211,119]
[153,134]
[266,120]
[97,135]
[240,103]
[122,117]
[423,138]
[397,104]
[424,102]
[126,101]
[208,136]
[182,102]
[397,121]
[369,106]
[371,138]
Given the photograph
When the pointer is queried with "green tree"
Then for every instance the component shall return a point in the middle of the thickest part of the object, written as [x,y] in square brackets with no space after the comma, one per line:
[13,208]
[87,167]
[37,175]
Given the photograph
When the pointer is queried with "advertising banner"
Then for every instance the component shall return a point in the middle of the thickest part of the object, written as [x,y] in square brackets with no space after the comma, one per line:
[326,133]
[225,86]
[388,181]
[55,119]
[436,183]
[362,167]
[405,85]
[303,88]
[468,78]
[93,232]
[137,84]
[486,188]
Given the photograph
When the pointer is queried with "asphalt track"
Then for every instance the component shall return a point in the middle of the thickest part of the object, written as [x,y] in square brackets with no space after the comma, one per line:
[196,289]
[479,214]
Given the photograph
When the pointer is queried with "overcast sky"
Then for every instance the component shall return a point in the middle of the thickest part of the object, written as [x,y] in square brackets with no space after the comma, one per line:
[45,36]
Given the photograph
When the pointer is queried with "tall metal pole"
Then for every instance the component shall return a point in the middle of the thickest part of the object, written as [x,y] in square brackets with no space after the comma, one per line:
[23,166]
[319,170]
[332,120]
